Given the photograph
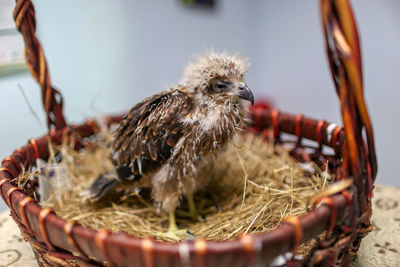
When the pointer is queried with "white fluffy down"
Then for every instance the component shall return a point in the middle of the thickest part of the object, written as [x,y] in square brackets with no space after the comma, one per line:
[198,73]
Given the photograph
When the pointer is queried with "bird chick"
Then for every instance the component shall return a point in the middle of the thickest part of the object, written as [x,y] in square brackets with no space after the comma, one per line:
[172,134]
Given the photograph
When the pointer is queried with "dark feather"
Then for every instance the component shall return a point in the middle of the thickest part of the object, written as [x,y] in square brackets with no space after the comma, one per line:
[100,187]
[150,130]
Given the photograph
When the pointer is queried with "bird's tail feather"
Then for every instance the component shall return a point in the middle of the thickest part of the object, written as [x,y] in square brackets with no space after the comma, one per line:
[103,184]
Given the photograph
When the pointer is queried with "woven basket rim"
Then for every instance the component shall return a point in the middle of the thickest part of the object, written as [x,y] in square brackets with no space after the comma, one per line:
[285,234]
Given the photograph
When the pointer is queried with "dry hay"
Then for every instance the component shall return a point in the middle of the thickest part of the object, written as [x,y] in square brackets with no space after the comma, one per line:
[254,186]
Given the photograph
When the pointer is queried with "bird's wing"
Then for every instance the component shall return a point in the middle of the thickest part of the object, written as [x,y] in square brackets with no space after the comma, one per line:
[150,130]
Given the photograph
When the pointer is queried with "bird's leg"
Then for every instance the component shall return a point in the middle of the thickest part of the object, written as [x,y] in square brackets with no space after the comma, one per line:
[196,212]
[174,233]
[172,222]
[192,207]
[192,213]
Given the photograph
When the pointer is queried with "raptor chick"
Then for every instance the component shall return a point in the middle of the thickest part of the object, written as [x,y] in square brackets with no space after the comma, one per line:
[173,133]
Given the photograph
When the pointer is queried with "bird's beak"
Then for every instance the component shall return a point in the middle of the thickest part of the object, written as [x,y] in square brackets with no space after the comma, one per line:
[246,94]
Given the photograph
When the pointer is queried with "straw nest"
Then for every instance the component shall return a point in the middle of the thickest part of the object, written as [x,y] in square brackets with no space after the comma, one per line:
[254,186]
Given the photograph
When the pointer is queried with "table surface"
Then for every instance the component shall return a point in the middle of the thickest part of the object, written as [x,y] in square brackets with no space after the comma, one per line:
[380,248]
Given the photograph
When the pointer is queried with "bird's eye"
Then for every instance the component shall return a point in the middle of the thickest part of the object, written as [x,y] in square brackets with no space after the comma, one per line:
[221,86]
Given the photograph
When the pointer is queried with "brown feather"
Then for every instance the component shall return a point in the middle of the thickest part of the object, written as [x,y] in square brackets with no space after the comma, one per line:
[154,119]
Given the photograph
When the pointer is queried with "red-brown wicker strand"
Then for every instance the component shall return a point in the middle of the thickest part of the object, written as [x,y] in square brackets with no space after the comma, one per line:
[328,201]
[24,16]
[147,246]
[200,248]
[35,148]
[10,169]
[100,239]
[346,194]
[343,46]
[68,229]
[275,123]
[22,211]
[9,195]
[353,66]
[250,248]
[258,116]
[92,125]
[5,169]
[299,118]
[335,136]
[319,133]
[12,161]
[2,181]
[298,232]
[42,226]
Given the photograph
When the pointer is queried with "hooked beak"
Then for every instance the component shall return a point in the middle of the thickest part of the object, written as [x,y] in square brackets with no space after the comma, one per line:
[246,94]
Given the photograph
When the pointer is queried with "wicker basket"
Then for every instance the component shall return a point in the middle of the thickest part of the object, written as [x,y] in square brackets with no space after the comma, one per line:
[345,208]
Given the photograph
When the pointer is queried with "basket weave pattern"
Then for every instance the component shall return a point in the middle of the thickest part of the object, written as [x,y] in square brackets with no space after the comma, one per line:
[345,208]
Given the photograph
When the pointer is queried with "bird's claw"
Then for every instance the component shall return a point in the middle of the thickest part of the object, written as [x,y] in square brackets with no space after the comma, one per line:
[176,235]
[194,216]
[197,215]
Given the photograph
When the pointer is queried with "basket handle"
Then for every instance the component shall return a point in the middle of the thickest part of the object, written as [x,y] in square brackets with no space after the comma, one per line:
[344,54]
[24,16]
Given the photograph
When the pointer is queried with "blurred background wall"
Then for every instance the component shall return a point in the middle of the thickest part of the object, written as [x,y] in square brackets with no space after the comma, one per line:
[107,55]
